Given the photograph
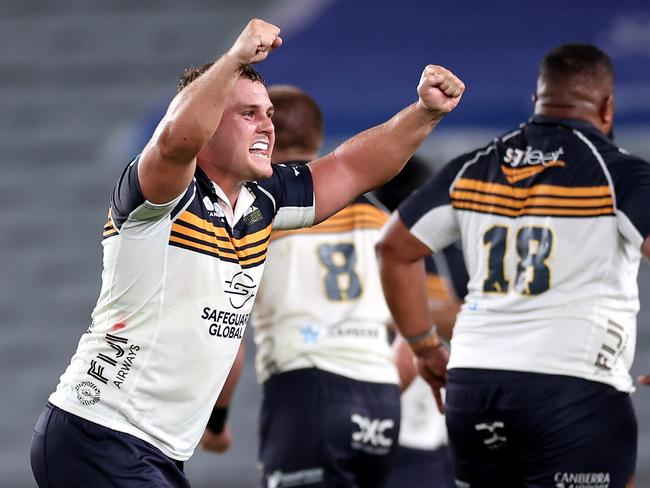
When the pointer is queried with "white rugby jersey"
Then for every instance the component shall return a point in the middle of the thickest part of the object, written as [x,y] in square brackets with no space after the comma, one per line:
[321,303]
[552,217]
[178,284]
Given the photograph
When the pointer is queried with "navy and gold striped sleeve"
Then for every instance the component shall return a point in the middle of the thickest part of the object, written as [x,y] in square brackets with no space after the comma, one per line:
[631,179]
[128,202]
[428,212]
[292,190]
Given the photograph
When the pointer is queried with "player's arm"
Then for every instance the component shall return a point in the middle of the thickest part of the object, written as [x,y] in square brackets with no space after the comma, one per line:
[401,266]
[404,362]
[168,161]
[645,248]
[443,315]
[373,157]
[217,436]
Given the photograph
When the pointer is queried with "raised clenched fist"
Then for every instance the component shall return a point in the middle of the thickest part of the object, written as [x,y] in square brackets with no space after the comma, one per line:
[255,42]
[439,90]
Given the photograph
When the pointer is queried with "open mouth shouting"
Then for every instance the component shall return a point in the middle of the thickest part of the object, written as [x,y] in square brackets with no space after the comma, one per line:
[260,149]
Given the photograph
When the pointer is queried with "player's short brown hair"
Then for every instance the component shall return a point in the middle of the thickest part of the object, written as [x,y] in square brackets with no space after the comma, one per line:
[193,73]
[297,118]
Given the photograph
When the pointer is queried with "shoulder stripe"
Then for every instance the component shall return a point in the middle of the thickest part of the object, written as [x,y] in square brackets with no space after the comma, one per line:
[109,227]
[531,200]
[202,239]
[193,233]
[214,251]
[334,229]
[358,216]
[196,221]
[252,239]
[550,190]
[541,211]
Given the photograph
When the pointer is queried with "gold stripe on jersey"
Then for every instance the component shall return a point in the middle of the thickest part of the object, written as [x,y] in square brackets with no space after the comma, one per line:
[532,201]
[189,234]
[197,221]
[551,190]
[355,216]
[109,228]
[194,233]
[553,200]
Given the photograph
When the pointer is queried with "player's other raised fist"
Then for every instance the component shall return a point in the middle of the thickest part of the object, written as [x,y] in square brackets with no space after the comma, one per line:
[439,90]
[255,42]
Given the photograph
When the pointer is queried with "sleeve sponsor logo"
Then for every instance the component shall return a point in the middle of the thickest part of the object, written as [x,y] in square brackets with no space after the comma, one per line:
[252,215]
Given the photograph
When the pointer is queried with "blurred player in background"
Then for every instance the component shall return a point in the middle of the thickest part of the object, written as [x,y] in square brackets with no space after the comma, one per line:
[554,220]
[330,410]
[184,250]
[423,457]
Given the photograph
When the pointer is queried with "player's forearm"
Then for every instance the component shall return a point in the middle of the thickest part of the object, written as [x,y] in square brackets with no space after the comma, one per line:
[376,155]
[194,114]
[405,292]
[645,248]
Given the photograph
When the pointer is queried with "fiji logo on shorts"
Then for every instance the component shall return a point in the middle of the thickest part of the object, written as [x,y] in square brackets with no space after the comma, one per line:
[87,393]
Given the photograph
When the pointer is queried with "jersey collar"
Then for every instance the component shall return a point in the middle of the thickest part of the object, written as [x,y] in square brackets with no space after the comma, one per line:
[581,125]
[245,198]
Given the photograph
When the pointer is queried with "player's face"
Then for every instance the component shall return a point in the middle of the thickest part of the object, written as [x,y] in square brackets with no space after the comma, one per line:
[243,142]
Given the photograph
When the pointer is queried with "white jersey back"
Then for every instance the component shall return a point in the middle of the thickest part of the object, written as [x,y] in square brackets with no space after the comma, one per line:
[551,226]
[320,303]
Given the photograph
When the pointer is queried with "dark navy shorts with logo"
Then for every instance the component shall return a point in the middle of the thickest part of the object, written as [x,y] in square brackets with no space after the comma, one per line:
[525,430]
[319,429]
[70,452]
[426,468]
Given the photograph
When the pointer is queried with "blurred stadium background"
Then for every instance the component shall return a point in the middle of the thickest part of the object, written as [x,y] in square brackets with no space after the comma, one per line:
[83,82]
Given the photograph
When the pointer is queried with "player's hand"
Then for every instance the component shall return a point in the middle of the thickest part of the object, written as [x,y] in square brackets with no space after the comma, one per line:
[219,443]
[644,379]
[432,366]
[439,90]
[255,42]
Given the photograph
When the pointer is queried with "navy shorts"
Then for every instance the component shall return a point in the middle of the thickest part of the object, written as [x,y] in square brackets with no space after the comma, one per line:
[528,430]
[428,468]
[70,452]
[319,429]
